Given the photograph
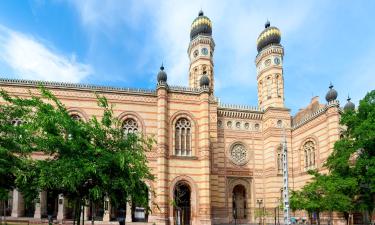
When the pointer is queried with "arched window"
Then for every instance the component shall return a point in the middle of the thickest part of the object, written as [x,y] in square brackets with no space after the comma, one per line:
[239,154]
[278,85]
[269,81]
[279,159]
[183,137]
[309,151]
[76,117]
[16,122]
[130,126]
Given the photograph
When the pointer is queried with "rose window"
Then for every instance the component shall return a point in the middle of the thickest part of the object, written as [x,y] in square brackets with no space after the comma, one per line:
[238,154]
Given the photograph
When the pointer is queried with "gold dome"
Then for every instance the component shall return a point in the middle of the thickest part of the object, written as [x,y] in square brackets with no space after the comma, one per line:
[270,35]
[201,25]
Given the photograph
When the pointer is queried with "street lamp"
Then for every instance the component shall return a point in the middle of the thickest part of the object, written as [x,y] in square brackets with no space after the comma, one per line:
[260,202]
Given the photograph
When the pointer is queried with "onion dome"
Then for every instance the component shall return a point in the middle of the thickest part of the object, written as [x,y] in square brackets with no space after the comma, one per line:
[270,35]
[201,25]
[204,81]
[349,106]
[162,75]
[331,94]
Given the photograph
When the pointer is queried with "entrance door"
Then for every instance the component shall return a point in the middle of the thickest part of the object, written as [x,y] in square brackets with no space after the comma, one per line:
[182,205]
[239,202]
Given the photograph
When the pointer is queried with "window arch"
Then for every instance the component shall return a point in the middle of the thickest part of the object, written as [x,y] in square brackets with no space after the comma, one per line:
[279,152]
[130,126]
[309,154]
[183,137]
[16,122]
[76,117]
[269,83]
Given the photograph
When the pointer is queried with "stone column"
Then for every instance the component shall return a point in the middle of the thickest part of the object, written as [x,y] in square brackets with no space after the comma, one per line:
[38,211]
[107,210]
[85,212]
[18,204]
[128,212]
[60,211]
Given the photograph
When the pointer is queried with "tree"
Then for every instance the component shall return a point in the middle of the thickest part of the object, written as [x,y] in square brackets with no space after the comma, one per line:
[350,185]
[87,160]
[353,156]
[309,198]
[15,141]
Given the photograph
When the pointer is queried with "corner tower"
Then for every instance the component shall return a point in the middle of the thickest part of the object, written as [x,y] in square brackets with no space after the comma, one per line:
[201,51]
[269,64]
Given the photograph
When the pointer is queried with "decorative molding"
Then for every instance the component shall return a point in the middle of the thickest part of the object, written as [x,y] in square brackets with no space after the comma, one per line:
[201,39]
[191,90]
[239,107]
[65,85]
[272,48]
[308,118]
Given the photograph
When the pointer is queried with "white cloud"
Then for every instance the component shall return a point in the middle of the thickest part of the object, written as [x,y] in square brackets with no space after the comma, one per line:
[31,59]
[236,25]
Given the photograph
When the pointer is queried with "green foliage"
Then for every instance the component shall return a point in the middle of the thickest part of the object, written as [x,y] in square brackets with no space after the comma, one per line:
[350,185]
[85,159]
[354,155]
[15,138]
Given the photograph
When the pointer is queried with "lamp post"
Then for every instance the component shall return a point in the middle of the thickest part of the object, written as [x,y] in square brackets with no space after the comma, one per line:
[260,202]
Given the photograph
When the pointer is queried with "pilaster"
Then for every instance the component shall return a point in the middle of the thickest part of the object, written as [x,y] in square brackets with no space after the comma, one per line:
[162,161]
[204,151]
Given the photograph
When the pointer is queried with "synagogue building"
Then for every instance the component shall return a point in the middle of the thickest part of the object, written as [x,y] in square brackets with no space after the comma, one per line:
[215,161]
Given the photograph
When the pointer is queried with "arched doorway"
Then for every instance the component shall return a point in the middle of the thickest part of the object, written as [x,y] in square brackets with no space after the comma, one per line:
[182,204]
[239,202]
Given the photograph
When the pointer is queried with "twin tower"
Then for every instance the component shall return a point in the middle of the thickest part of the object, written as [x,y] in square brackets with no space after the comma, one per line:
[268,61]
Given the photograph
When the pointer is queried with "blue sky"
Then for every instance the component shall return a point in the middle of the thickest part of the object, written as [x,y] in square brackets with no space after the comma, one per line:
[122,43]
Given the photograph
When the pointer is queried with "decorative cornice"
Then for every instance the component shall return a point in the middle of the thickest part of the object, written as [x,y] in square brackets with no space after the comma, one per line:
[308,118]
[88,87]
[239,111]
[201,39]
[190,90]
[239,107]
[73,86]
[272,48]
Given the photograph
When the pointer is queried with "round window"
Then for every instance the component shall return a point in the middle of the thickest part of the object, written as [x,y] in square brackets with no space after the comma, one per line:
[239,154]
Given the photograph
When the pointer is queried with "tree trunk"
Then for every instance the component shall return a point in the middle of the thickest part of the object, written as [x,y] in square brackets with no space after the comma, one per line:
[3,217]
[79,212]
[5,213]
[75,212]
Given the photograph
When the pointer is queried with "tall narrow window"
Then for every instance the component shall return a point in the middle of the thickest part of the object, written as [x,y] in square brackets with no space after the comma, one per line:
[130,126]
[278,85]
[183,137]
[269,81]
[264,90]
[309,150]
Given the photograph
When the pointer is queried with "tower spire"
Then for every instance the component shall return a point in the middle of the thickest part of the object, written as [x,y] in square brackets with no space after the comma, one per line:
[200,51]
